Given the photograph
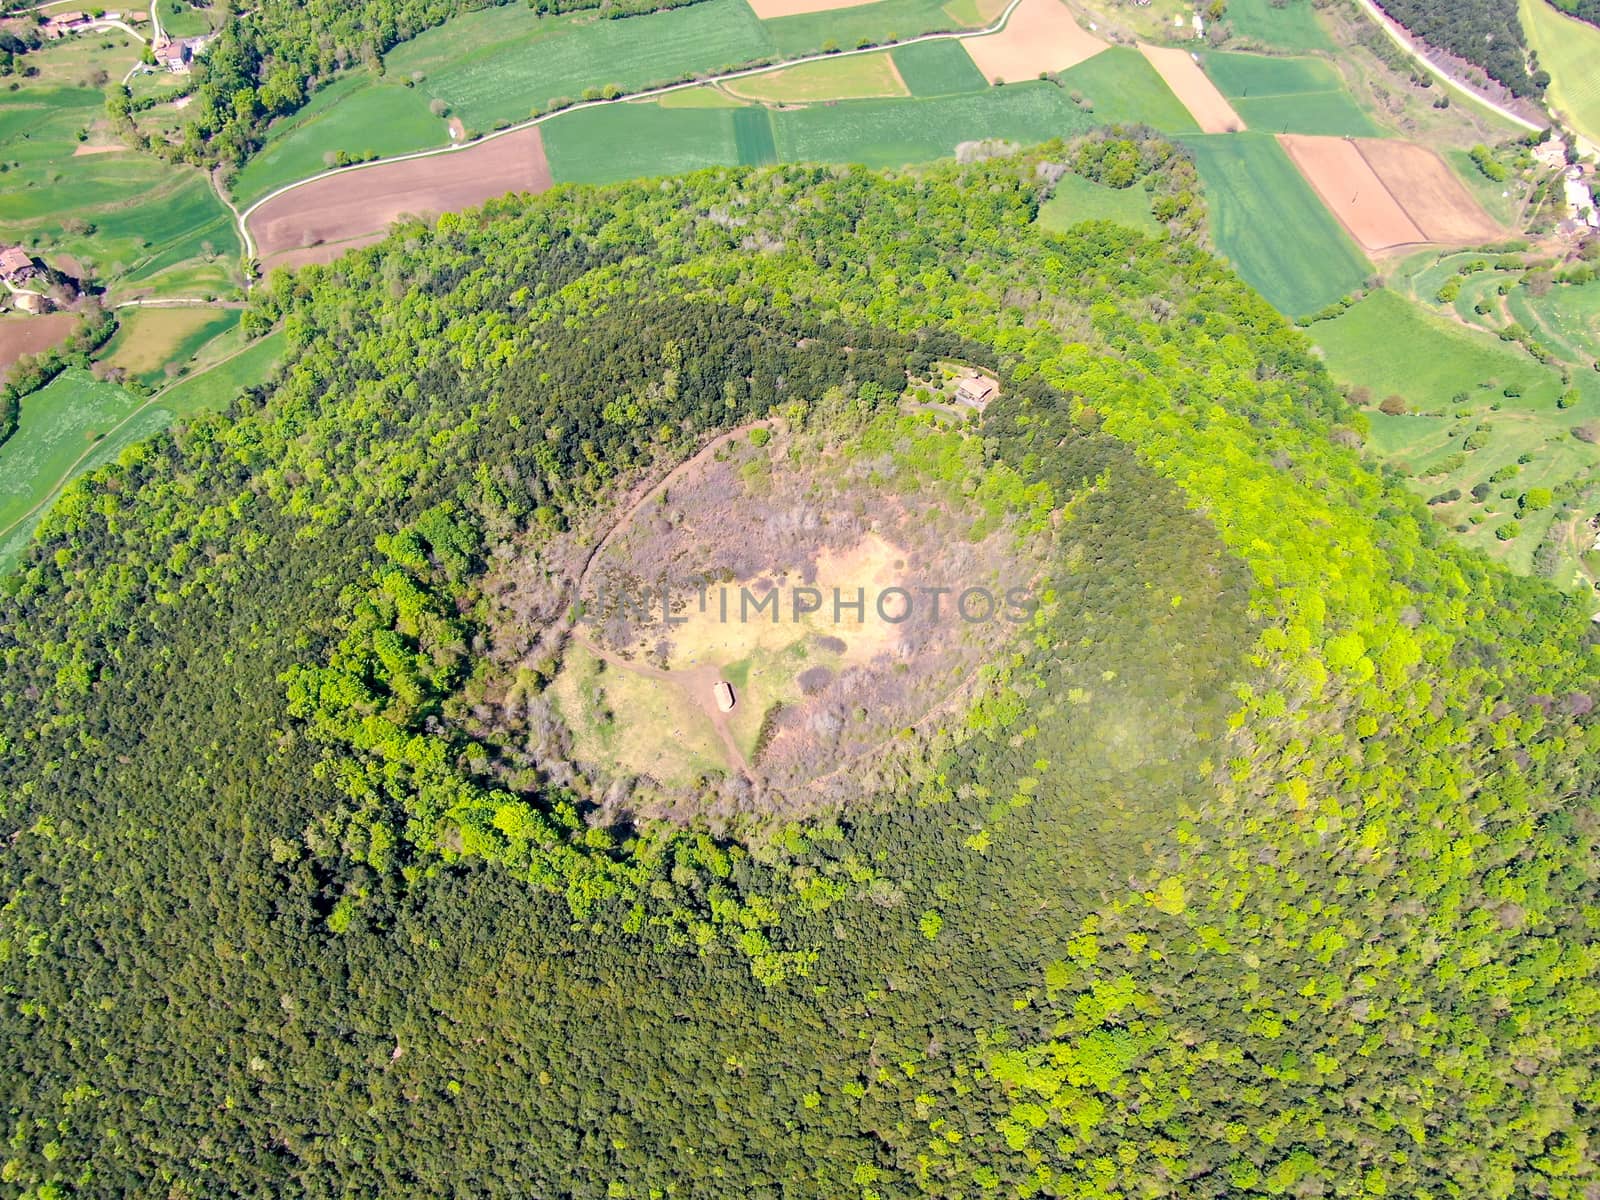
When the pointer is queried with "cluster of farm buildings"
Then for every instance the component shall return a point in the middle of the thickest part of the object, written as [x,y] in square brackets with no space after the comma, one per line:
[172,54]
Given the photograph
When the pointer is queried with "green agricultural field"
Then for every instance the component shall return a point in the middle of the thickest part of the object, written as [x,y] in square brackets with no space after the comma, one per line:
[885,21]
[361,116]
[1270,224]
[1455,382]
[1120,86]
[1569,49]
[752,137]
[623,141]
[855,77]
[535,60]
[1288,95]
[896,132]
[1291,25]
[1078,199]
[940,68]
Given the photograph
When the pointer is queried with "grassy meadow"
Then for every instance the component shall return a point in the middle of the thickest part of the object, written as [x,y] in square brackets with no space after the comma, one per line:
[1078,199]
[858,77]
[941,68]
[1271,225]
[1290,26]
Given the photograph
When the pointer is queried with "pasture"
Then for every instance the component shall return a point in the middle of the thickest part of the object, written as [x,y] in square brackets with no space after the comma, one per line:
[1569,49]
[1288,95]
[1078,199]
[1462,429]
[151,344]
[1288,26]
[941,68]
[858,77]
[1270,224]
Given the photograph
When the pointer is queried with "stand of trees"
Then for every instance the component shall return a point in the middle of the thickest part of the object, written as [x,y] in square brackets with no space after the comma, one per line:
[1487,33]
[1265,866]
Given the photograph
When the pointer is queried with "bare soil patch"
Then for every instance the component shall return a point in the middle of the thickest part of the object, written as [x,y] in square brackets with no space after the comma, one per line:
[1192,86]
[1041,36]
[83,148]
[30,335]
[1434,198]
[323,219]
[1353,191]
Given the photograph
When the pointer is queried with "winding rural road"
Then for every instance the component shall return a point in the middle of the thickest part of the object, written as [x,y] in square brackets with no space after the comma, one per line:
[1398,35]
[243,218]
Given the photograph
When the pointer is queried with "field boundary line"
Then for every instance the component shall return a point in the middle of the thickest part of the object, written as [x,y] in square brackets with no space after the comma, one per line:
[648,93]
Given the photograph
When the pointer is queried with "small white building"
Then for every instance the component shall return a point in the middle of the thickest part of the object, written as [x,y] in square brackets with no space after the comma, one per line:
[1580,197]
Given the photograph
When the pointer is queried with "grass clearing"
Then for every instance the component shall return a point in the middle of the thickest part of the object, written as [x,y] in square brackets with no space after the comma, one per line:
[858,77]
[1078,199]
[152,343]
[942,68]
[1569,49]
[1271,225]
[1288,95]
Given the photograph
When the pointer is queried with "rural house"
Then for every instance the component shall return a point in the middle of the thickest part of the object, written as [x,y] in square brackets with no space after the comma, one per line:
[976,391]
[15,265]
[174,56]
[61,24]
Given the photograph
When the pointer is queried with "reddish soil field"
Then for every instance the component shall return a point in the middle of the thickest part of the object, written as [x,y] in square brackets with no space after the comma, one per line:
[1209,107]
[1352,191]
[325,218]
[1432,196]
[1042,35]
[29,335]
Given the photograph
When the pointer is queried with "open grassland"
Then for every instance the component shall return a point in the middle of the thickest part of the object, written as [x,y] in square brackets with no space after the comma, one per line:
[858,77]
[938,69]
[1481,414]
[1570,50]
[37,462]
[1271,225]
[84,61]
[1288,95]
[181,19]
[706,96]
[1078,199]
[152,343]
[1291,25]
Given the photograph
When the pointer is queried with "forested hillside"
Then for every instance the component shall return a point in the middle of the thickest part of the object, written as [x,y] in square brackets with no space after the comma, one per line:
[1263,864]
[1485,32]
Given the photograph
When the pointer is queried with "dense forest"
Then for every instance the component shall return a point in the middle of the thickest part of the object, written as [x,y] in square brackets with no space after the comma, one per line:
[1485,32]
[1264,865]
